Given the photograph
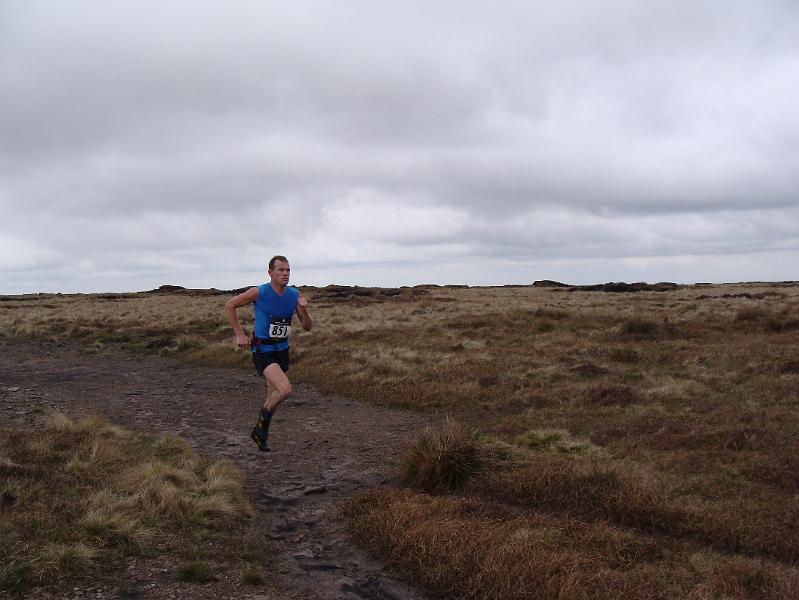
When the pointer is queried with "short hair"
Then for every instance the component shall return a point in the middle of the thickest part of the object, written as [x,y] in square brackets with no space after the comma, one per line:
[277,258]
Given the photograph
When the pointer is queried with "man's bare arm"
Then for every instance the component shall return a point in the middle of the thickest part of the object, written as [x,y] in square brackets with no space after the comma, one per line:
[303,314]
[234,303]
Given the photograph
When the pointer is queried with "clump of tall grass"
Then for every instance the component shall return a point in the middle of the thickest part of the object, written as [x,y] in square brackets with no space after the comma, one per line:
[114,528]
[442,459]
[555,440]
[252,578]
[65,559]
[624,355]
[782,324]
[195,572]
[611,395]
[584,486]
[640,327]
[770,319]
[752,313]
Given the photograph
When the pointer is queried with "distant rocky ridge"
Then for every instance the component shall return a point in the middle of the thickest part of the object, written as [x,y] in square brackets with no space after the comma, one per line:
[612,286]
[549,283]
[346,292]
[663,286]
[177,289]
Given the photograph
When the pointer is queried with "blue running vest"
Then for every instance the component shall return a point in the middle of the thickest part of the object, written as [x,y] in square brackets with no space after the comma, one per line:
[270,308]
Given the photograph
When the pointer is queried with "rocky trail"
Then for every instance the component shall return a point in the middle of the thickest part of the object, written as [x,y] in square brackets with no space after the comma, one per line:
[325,449]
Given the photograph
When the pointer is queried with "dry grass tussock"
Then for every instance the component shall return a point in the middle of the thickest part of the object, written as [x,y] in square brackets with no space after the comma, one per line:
[442,459]
[671,415]
[80,495]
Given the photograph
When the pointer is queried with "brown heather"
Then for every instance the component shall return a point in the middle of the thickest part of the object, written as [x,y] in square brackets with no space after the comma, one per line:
[636,445]
[469,548]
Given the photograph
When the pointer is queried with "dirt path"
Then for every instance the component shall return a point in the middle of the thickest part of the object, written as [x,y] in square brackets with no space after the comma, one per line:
[326,448]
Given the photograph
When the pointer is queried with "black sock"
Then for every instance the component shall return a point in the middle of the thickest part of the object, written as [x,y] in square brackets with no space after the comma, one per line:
[263,421]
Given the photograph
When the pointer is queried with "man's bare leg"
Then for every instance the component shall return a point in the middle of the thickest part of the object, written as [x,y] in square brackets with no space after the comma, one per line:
[270,391]
[278,388]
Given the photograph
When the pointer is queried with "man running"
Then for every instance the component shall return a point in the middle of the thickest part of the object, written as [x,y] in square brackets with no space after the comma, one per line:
[274,306]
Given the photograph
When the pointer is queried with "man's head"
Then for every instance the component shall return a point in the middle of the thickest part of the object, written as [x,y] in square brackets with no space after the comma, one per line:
[279,270]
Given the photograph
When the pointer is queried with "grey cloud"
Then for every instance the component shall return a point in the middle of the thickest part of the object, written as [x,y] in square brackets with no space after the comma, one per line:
[379,132]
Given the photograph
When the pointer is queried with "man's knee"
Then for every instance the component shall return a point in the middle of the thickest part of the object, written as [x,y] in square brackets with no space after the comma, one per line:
[282,386]
[285,390]
[278,382]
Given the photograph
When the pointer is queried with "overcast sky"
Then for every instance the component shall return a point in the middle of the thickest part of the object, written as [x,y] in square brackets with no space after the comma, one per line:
[396,143]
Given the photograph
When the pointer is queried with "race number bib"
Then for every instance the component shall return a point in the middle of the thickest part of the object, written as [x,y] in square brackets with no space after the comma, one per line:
[279,329]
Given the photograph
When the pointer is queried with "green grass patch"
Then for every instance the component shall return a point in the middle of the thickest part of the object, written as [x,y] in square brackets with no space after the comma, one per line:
[195,572]
[252,578]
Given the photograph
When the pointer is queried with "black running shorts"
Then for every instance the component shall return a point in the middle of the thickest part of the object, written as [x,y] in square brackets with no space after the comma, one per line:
[261,360]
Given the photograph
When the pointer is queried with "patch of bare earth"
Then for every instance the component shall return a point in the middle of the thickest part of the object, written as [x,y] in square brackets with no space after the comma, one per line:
[325,449]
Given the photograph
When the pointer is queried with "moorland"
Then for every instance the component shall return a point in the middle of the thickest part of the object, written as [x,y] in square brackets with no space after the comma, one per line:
[598,443]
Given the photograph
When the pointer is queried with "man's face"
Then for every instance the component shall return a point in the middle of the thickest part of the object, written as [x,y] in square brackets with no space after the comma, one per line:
[279,274]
